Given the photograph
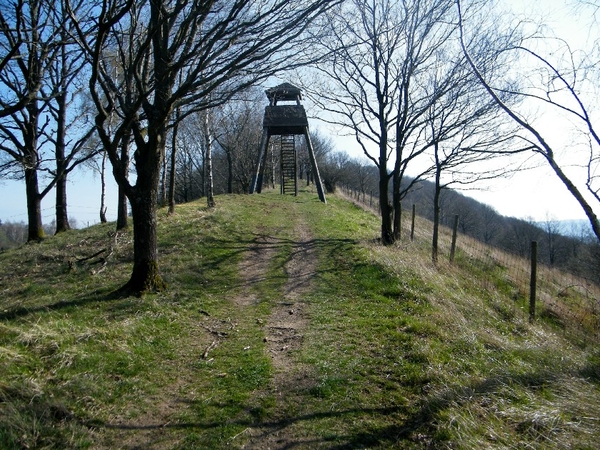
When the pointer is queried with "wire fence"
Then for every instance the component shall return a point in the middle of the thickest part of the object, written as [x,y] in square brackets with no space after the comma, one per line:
[569,303]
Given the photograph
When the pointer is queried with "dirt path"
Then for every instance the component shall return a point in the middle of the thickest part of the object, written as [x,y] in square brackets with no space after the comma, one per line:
[284,330]
[283,336]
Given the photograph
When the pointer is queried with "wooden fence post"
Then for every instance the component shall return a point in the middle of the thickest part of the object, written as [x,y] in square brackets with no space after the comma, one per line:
[454,231]
[533,281]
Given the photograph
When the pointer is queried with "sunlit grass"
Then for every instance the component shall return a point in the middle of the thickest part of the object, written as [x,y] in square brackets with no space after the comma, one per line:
[396,353]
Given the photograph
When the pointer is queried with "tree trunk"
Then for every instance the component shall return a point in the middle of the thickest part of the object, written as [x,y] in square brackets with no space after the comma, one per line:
[122,200]
[436,218]
[230,173]
[144,199]
[397,205]
[387,235]
[62,220]
[103,189]
[173,169]
[172,175]
[34,210]
[587,208]
[145,276]
[436,205]
[210,195]
[163,184]
[34,199]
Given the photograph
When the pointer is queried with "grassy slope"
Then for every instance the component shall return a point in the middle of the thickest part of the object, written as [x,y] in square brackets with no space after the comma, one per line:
[398,353]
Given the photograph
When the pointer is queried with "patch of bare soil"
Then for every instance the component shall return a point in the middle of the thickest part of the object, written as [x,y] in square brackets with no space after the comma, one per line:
[284,336]
[254,266]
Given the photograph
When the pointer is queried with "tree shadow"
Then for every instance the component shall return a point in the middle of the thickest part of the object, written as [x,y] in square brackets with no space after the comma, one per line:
[232,251]
[408,425]
[101,295]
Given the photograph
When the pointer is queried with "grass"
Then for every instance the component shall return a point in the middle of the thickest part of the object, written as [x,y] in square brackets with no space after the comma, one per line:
[397,352]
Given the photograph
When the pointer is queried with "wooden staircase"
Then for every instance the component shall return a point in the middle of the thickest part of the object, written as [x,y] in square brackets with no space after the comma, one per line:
[289,165]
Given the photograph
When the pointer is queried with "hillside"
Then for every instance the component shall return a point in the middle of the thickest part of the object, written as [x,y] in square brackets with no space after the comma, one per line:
[285,325]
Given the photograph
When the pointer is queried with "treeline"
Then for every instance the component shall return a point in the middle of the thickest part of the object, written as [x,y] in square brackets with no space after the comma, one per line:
[234,135]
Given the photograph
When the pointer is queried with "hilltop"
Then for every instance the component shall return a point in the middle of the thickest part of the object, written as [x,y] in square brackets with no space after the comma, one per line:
[285,325]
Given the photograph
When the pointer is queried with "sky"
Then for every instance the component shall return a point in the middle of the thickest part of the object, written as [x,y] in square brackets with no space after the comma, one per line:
[83,200]
[538,193]
[534,194]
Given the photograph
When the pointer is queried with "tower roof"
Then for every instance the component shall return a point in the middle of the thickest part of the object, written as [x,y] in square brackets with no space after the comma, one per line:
[285,92]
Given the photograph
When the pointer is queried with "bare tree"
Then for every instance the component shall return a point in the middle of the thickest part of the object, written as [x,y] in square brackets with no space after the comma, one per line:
[189,165]
[553,230]
[28,36]
[173,166]
[238,126]
[379,55]
[14,44]
[192,54]
[560,81]
[466,131]
[335,170]
[72,127]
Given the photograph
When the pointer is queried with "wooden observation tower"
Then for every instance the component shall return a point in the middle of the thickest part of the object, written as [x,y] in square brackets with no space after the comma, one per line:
[285,121]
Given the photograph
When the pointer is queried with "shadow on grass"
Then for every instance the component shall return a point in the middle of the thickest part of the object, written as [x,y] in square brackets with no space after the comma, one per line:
[416,425]
[229,253]
[273,427]
[83,300]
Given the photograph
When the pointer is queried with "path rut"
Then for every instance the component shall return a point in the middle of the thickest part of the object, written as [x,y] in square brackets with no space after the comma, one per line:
[284,334]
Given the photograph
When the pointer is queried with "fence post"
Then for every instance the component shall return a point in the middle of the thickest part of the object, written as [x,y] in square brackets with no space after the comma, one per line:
[533,281]
[412,225]
[454,231]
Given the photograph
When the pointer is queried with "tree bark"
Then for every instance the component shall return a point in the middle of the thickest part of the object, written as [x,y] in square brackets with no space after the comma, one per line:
[173,169]
[163,184]
[436,217]
[397,205]
[210,195]
[387,234]
[172,175]
[122,199]
[145,276]
[230,173]
[103,190]
[34,210]
[34,199]
[62,218]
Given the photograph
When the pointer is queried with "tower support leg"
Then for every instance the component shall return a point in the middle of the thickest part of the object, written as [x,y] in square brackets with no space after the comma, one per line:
[315,169]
